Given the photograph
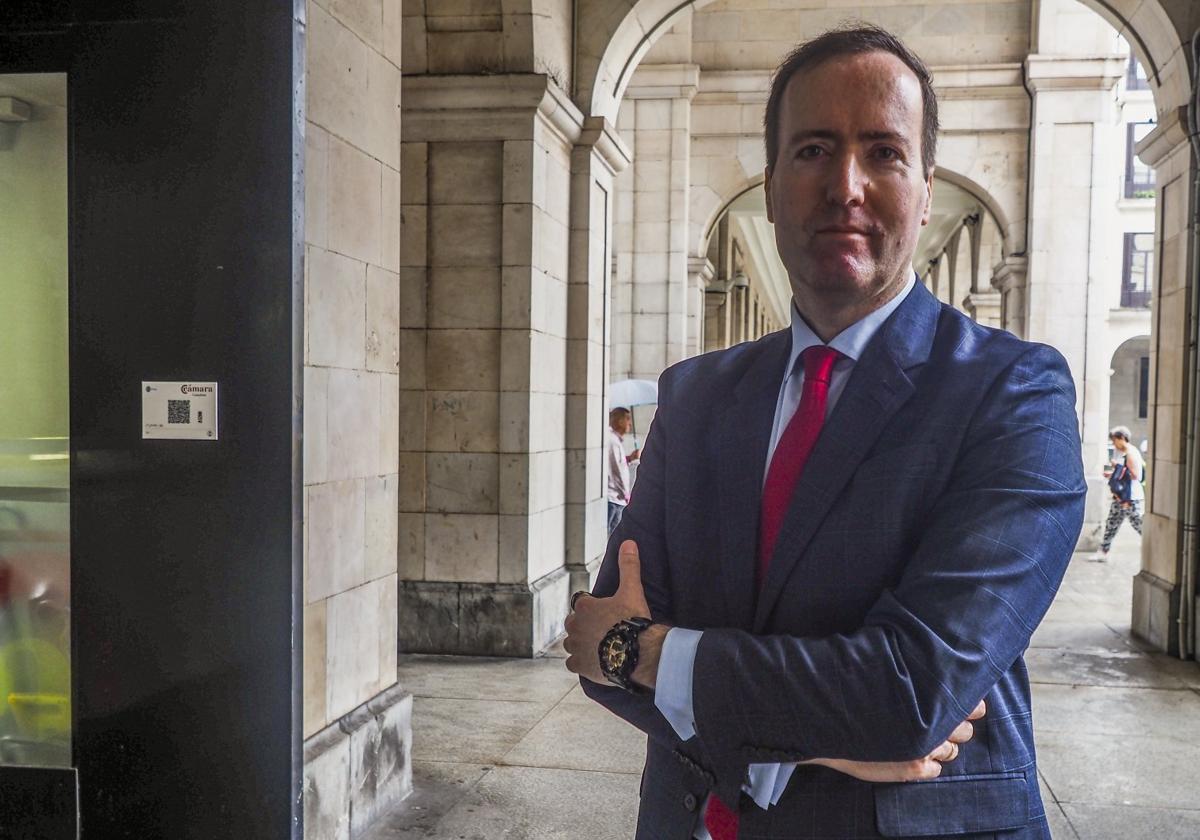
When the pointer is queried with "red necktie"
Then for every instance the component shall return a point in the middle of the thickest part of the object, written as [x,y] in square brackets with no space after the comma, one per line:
[791,453]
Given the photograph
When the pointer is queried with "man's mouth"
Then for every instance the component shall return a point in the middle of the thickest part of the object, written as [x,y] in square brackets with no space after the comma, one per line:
[844,230]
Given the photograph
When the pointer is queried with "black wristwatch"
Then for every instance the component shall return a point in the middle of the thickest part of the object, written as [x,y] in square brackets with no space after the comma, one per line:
[619,652]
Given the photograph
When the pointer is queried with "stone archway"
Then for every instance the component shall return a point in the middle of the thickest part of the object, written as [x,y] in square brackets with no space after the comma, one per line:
[710,199]
[1129,389]
[616,34]
[967,237]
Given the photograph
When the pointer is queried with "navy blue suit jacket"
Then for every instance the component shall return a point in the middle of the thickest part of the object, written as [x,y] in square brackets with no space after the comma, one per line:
[925,540]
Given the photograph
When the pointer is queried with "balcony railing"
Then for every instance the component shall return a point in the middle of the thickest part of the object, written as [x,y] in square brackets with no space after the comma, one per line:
[1132,298]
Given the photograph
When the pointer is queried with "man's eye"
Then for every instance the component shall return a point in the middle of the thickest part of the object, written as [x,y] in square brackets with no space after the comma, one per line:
[887,153]
[809,152]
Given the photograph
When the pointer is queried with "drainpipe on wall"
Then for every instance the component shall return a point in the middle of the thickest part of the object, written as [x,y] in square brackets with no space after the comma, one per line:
[1190,553]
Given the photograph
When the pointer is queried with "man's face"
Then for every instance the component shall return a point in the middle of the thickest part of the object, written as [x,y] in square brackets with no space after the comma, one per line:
[621,424]
[846,191]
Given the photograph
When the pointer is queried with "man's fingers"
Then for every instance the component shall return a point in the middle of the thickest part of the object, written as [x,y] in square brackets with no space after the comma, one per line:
[979,711]
[962,733]
[925,770]
[631,570]
[948,751]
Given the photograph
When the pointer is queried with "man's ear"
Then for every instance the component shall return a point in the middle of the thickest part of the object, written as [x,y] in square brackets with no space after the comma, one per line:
[925,217]
[767,190]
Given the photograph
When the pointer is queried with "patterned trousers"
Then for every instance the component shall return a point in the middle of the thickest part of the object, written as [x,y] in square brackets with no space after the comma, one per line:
[1116,515]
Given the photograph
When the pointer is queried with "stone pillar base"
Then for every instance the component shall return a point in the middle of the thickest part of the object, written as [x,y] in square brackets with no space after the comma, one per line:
[584,577]
[483,619]
[358,768]
[1155,612]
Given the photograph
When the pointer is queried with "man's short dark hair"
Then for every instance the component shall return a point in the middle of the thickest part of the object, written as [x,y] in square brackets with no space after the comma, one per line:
[618,413]
[852,40]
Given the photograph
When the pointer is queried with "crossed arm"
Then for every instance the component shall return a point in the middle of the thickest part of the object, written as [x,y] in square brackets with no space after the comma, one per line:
[594,616]
[987,567]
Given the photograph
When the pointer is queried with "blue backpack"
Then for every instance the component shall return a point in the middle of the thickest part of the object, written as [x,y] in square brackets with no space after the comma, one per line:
[1120,482]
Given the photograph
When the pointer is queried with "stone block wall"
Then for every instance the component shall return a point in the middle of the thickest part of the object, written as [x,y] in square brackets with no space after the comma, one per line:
[655,309]
[356,722]
[756,34]
[444,37]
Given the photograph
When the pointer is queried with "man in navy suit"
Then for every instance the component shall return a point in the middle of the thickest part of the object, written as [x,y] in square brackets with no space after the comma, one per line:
[843,534]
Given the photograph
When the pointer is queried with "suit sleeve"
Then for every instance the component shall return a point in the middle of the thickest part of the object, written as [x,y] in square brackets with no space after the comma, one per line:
[992,554]
[643,522]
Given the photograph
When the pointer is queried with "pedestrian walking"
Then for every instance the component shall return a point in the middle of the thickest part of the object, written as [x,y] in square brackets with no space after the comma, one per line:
[1128,491]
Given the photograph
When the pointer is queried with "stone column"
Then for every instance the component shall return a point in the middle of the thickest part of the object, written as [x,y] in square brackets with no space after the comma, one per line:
[357,720]
[700,274]
[483,449]
[740,295]
[974,226]
[596,159]
[954,268]
[1073,105]
[716,318]
[1009,277]
[1156,588]
[983,307]
[656,120]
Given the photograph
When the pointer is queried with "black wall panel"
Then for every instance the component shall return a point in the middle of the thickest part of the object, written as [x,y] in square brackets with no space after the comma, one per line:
[184,266]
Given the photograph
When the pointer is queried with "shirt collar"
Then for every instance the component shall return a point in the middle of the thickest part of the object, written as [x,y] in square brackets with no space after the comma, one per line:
[852,341]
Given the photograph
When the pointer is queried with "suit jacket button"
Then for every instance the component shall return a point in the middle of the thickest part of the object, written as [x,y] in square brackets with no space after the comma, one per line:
[689,802]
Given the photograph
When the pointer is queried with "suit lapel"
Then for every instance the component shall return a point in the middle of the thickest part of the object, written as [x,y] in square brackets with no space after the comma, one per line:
[744,432]
[879,385]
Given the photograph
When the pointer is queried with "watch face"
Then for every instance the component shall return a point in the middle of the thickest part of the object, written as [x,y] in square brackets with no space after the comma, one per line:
[614,651]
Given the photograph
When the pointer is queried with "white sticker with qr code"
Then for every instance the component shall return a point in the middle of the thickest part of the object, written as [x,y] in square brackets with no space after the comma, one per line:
[179,410]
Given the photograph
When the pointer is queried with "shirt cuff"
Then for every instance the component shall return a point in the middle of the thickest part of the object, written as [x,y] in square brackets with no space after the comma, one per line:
[761,784]
[673,685]
[781,780]
[673,698]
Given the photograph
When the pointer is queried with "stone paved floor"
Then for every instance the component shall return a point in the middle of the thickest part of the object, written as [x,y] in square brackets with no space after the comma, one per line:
[512,750]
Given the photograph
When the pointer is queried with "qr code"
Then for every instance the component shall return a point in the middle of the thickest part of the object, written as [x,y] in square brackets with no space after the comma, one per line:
[179,411]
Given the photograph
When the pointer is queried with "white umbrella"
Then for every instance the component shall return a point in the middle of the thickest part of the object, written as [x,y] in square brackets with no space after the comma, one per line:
[630,392]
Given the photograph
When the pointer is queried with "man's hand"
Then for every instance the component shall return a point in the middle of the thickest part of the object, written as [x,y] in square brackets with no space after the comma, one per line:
[593,617]
[921,769]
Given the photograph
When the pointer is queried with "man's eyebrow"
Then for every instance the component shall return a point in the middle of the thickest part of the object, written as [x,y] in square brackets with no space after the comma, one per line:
[827,134]
[813,134]
[890,136]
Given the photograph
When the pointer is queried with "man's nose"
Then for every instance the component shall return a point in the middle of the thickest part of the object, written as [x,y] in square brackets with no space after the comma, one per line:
[847,181]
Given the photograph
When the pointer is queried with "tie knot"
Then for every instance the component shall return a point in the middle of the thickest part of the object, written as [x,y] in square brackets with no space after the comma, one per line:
[819,361]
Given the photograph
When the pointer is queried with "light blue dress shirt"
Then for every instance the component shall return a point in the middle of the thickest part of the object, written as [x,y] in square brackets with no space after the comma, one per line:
[673,692]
